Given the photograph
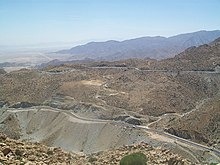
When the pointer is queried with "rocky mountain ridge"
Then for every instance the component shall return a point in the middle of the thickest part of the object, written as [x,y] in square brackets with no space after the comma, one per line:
[144,47]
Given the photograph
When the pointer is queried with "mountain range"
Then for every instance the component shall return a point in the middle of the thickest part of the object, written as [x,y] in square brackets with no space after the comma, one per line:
[145,47]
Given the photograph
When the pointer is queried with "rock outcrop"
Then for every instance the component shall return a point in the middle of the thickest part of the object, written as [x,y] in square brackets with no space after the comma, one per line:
[20,152]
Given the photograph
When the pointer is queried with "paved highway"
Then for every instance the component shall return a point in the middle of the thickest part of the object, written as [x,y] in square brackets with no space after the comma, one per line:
[134,68]
[153,70]
[176,138]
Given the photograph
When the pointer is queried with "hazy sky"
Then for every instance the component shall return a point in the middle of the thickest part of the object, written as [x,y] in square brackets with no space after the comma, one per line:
[43,21]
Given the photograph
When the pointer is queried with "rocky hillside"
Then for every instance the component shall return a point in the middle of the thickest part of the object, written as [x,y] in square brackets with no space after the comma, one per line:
[18,152]
[201,125]
[154,155]
[142,92]
[205,57]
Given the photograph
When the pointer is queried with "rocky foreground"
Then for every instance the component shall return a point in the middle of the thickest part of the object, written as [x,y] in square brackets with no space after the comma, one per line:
[18,152]
[154,155]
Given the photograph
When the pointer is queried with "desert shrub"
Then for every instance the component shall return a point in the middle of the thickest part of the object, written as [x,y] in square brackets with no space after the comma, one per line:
[18,152]
[134,159]
[214,164]
[92,159]
[49,152]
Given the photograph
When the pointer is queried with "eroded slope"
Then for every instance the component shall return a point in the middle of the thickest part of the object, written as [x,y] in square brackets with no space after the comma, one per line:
[64,129]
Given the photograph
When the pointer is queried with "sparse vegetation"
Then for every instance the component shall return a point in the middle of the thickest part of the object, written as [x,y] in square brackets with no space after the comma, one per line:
[18,152]
[49,152]
[92,159]
[134,159]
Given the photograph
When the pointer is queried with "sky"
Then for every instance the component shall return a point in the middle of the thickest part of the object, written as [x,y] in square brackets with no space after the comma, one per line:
[25,22]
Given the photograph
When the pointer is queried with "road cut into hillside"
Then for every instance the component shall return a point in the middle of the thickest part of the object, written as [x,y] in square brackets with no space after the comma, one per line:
[66,130]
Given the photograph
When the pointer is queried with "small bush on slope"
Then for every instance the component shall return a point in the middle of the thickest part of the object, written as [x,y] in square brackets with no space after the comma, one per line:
[134,159]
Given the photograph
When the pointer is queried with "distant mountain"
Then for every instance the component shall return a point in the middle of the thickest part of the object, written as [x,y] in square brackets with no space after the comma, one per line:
[145,47]
[11,64]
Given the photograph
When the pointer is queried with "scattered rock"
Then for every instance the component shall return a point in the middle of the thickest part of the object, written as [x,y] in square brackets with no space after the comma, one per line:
[133,120]
[174,161]
[35,153]
[6,151]
[2,136]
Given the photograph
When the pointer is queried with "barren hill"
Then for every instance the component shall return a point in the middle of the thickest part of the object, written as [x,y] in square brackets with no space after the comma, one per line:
[66,130]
